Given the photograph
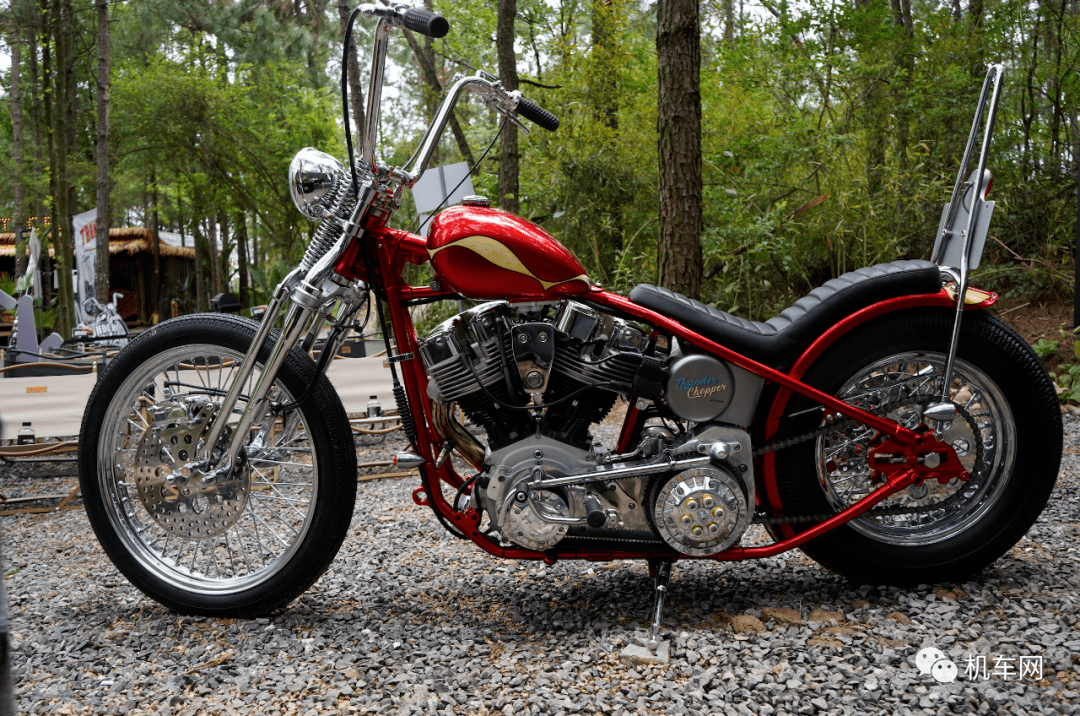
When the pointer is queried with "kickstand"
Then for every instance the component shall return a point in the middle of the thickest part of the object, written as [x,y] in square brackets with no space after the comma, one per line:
[649,648]
[663,575]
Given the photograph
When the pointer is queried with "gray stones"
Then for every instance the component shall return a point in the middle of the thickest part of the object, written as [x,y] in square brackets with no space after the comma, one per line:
[409,620]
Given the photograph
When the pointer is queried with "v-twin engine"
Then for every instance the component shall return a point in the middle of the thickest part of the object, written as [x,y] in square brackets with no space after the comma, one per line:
[536,378]
[495,359]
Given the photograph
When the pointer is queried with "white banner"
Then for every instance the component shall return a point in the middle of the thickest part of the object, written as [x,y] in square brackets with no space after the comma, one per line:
[85,225]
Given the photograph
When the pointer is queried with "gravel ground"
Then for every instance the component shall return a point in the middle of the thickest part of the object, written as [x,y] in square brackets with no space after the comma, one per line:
[409,620]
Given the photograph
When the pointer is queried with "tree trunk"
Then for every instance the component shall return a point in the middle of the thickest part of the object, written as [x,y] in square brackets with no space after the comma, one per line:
[1029,106]
[35,107]
[678,46]
[102,189]
[65,258]
[256,260]
[226,250]
[240,232]
[605,73]
[1054,94]
[975,13]
[180,216]
[729,21]
[356,96]
[905,67]
[509,156]
[155,238]
[71,105]
[200,278]
[19,210]
[1076,244]
[604,77]
[45,35]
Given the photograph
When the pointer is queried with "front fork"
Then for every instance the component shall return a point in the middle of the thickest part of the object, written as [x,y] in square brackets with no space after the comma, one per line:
[221,448]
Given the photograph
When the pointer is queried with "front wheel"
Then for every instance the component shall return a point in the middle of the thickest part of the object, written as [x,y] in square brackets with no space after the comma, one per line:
[1007,434]
[237,546]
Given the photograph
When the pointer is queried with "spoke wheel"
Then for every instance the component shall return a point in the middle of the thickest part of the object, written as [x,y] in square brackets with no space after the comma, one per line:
[983,435]
[237,544]
[1007,434]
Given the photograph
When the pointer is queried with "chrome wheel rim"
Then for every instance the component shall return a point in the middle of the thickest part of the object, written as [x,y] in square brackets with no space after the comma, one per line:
[279,483]
[983,435]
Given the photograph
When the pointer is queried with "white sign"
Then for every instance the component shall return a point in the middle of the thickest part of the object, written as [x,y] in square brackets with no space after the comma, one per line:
[435,185]
[85,225]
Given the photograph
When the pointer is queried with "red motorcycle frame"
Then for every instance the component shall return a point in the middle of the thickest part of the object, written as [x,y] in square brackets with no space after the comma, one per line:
[394,249]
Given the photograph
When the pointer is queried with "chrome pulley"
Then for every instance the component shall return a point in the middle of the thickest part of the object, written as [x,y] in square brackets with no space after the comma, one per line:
[701,511]
[181,498]
[525,525]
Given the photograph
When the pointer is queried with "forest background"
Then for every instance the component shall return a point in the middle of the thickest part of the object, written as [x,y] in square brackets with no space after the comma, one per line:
[830,131]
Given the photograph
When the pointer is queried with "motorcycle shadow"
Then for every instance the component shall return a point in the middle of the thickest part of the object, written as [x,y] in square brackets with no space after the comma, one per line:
[600,600]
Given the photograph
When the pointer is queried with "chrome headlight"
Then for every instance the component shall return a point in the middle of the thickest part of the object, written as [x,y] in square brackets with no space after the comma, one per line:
[314,177]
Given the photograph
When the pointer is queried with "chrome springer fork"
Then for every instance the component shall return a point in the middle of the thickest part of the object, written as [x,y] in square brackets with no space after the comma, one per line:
[306,291]
[309,292]
[220,447]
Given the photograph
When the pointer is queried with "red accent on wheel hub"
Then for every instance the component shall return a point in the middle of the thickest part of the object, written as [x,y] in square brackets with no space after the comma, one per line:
[890,457]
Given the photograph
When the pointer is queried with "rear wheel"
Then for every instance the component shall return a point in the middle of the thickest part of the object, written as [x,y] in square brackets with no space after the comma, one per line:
[1007,434]
[240,545]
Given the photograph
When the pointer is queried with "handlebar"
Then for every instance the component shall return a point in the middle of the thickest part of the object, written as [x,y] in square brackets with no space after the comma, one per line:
[509,104]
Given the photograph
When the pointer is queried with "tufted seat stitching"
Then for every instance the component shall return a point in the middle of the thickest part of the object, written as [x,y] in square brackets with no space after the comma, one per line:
[779,341]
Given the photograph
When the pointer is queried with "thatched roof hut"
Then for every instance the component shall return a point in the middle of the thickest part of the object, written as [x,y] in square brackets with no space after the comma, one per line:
[128,240]
[131,269]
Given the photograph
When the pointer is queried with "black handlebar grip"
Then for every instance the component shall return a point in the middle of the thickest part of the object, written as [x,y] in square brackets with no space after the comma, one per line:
[426,23]
[537,115]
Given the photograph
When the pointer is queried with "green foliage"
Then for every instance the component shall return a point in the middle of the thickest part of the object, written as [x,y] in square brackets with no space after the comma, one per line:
[265,280]
[1044,347]
[47,319]
[1068,379]
[1070,338]
[229,139]
[830,134]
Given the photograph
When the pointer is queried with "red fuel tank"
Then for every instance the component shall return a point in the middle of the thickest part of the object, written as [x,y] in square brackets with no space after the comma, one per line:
[480,252]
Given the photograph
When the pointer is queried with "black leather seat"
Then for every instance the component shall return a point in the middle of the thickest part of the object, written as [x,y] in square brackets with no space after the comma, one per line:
[779,341]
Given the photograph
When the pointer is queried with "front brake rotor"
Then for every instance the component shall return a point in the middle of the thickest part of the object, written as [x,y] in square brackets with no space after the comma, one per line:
[181,498]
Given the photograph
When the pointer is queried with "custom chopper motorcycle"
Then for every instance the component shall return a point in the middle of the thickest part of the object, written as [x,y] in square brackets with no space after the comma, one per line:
[887,423]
